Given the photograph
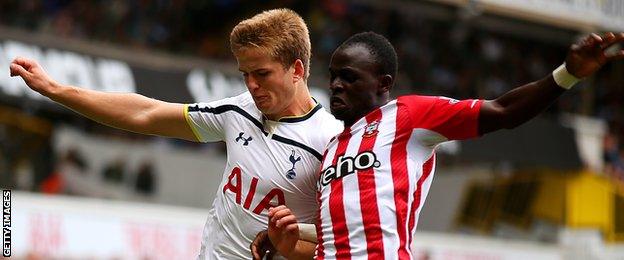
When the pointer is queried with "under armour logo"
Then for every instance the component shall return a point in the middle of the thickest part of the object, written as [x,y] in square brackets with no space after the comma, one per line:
[291,174]
[242,138]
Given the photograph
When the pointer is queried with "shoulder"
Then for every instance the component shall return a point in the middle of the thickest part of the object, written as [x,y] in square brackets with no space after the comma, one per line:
[328,124]
[242,103]
[417,100]
[420,104]
[320,128]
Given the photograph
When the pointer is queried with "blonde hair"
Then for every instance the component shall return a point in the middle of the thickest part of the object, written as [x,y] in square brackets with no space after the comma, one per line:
[282,33]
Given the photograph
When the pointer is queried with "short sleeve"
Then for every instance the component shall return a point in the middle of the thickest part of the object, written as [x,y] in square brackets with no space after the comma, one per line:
[206,120]
[454,119]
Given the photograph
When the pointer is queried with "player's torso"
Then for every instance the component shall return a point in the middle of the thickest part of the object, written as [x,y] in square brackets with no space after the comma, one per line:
[265,168]
[369,179]
[262,172]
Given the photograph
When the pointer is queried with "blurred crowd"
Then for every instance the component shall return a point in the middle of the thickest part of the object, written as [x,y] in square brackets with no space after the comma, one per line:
[437,56]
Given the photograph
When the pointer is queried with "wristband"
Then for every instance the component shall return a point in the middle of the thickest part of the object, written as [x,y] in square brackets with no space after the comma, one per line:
[563,78]
[307,232]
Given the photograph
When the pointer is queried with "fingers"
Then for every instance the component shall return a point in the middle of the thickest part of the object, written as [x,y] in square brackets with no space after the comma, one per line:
[21,66]
[273,210]
[17,70]
[278,216]
[610,38]
[256,253]
[595,46]
[285,221]
[615,56]
[292,227]
[594,38]
[575,47]
[24,62]
[257,250]
[588,43]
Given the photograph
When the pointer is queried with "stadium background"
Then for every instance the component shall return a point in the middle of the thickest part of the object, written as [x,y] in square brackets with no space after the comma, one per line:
[551,189]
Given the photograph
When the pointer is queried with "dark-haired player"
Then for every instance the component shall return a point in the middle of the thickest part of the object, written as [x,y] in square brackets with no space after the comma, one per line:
[376,174]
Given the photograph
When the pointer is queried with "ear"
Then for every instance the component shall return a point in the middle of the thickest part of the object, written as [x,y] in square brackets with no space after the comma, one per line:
[385,84]
[299,73]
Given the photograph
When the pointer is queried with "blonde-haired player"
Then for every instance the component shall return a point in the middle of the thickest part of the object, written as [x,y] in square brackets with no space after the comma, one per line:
[274,133]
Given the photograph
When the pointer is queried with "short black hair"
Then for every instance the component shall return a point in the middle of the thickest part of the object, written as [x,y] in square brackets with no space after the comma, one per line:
[382,50]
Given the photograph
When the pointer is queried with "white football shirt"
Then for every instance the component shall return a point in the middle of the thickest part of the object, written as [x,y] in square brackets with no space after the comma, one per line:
[269,163]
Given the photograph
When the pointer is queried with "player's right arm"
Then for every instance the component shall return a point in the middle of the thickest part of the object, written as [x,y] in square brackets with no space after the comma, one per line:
[128,111]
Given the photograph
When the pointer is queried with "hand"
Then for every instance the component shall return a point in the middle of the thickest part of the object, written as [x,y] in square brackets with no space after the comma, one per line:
[283,229]
[261,245]
[34,76]
[587,56]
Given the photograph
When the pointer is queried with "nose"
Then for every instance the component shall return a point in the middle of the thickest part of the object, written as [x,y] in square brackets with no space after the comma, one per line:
[335,85]
[251,83]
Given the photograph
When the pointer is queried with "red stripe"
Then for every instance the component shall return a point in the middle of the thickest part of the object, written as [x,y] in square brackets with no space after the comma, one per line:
[400,178]
[336,204]
[426,171]
[368,197]
[320,249]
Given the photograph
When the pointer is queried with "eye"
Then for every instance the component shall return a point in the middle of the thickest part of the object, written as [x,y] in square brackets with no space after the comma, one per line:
[348,76]
[263,73]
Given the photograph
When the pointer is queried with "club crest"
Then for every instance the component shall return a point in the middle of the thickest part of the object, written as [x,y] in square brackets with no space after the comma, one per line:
[291,174]
[371,129]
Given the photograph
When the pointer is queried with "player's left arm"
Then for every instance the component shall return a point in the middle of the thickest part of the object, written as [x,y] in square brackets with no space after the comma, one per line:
[291,239]
[523,103]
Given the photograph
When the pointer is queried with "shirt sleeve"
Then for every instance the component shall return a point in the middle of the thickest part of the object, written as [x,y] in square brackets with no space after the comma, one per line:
[453,119]
[206,120]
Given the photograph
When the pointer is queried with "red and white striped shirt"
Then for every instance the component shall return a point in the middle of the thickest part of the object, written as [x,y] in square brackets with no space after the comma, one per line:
[377,173]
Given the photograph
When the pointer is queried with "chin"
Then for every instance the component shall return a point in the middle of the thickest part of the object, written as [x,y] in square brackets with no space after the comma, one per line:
[340,114]
[264,107]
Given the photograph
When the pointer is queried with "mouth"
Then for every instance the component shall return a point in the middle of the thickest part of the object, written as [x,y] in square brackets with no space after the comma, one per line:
[261,98]
[336,102]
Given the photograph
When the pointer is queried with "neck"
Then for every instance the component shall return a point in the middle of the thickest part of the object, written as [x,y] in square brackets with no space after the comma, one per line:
[350,121]
[300,105]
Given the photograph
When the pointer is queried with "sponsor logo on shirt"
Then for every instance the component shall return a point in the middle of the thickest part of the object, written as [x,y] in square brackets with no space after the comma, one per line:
[346,165]
[241,137]
[245,192]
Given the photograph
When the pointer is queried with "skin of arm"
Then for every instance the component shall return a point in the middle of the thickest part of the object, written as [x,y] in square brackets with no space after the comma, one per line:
[523,103]
[304,248]
[127,111]
[284,234]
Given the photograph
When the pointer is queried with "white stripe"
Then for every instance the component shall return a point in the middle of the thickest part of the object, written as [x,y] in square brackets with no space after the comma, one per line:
[352,206]
[326,222]
[423,195]
[419,148]
[384,182]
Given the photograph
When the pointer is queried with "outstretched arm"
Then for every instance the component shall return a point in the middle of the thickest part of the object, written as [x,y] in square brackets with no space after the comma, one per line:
[131,112]
[523,103]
